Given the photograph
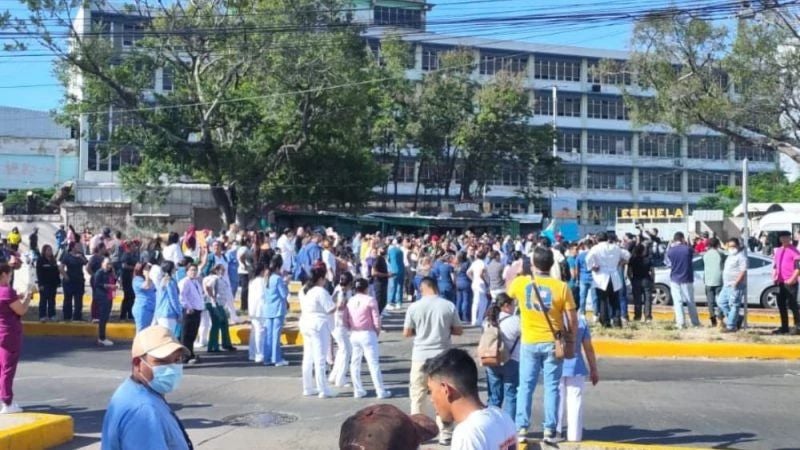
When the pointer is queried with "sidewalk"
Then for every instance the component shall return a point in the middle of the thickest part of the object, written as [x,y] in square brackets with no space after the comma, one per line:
[33,431]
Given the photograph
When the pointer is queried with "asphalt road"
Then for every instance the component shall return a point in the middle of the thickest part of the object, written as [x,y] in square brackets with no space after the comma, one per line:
[736,404]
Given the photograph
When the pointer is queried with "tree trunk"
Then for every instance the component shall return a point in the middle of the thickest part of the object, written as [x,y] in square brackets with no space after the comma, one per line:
[395,171]
[225,203]
[416,189]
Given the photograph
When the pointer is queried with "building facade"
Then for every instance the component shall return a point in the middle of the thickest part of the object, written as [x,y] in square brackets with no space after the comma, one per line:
[609,164]
[35,152]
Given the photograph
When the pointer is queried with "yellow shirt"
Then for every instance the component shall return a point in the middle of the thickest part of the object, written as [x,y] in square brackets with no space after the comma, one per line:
[556,296]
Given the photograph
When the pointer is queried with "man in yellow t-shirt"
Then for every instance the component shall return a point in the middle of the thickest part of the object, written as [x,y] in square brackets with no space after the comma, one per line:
[537,341]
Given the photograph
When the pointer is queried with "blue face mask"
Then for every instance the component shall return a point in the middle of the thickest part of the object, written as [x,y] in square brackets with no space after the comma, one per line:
[166,378]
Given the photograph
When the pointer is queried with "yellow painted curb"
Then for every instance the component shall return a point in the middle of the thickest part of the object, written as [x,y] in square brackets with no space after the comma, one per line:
[240,334]
[33,431]
[599,445]
[760,318]
[118,331]
[686,349]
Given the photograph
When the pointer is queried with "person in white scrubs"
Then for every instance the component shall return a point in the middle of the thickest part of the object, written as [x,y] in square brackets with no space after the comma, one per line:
[255,309]
[477,273]
[341,294]
[315,306]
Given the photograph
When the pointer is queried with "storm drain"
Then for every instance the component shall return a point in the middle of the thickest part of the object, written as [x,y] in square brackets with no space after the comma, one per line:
[265,419]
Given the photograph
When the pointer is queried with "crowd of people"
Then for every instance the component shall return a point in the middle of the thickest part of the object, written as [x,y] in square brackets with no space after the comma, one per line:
[533,294]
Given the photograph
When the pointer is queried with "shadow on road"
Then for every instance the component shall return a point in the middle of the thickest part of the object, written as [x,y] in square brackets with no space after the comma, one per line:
[673,436]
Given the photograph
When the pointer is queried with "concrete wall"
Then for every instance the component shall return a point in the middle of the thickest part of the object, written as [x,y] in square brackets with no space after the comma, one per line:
[30,163]
[122,216]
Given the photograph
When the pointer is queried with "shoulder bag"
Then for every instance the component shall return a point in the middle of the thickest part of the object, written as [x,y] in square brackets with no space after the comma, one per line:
[564,349]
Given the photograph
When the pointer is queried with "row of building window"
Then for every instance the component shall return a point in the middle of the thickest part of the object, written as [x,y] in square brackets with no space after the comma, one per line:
[655,145]
[401,17]
[602,178]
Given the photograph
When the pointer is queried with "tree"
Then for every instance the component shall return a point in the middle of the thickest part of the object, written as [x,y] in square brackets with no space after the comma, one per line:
[264,93]
[694,66]
[443,104]
[499,137]
[391,112]
[770,187]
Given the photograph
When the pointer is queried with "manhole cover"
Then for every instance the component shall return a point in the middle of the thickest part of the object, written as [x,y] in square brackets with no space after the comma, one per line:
[264,419]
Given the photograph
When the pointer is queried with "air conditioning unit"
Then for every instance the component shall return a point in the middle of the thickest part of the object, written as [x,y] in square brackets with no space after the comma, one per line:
[595,88]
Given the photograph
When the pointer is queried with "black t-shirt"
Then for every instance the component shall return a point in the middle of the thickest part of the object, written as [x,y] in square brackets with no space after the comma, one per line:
[381,266]
[640,266]
[74,266]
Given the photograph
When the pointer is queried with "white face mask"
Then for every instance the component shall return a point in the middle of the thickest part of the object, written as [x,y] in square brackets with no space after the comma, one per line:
[733,251]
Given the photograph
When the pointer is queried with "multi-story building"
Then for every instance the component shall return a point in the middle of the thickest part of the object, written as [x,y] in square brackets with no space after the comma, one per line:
[609,164]
[35,151]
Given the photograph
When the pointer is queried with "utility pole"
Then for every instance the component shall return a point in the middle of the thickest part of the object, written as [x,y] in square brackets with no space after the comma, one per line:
[555,113]
[745,236]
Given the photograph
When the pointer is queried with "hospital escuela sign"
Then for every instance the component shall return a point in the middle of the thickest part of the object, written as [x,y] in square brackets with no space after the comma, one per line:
[650,213]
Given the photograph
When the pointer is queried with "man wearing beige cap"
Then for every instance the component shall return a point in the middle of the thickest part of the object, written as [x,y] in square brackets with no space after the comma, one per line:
[138,416]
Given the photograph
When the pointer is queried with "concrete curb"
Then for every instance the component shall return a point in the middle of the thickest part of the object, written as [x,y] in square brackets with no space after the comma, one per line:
[34,431]
[618,348]
[614,348]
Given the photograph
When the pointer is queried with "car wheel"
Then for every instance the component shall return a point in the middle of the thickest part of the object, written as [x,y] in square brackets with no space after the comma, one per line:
[662,295]
[769,298]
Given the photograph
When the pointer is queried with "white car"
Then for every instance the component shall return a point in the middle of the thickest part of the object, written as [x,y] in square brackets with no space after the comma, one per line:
[761,291]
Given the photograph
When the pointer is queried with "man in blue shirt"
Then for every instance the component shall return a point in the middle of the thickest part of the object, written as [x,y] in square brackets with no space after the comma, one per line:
[308,255]
[681,277]
[138,417]
[395,259]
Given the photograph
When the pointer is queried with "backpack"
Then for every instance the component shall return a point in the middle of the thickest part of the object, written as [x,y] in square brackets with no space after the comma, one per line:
[492,351]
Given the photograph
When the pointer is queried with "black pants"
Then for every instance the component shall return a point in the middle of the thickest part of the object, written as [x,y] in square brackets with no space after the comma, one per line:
[104,311]
[47,301]
[128,296]
[381,293]
[642,298]
[609,305]
[191,324]
[244,283]
[787,300]
[712,292]
[73,295]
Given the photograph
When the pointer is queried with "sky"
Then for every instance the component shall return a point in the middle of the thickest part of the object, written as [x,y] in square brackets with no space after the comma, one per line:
[29,82]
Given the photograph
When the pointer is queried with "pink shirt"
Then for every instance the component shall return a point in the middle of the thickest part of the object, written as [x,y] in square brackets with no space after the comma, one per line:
[361,314]
[784,263]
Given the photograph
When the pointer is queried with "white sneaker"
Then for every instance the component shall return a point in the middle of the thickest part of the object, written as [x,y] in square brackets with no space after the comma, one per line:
[12,408]
[310,393]
[283,363]
[327,394]
[359,394]
[385,394]
[105,343]
[199,346]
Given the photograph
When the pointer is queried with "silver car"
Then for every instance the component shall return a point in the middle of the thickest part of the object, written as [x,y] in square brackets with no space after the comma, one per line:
[761,291]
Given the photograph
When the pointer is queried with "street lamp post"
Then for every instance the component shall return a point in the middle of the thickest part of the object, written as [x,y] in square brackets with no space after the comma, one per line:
[745,235]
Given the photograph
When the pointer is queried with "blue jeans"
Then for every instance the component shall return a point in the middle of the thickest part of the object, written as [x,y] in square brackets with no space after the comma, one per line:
[729,302]
[623,298]
[533,359]
[585,292]
[272,340]
[464,303]
[395,292]
[501,384]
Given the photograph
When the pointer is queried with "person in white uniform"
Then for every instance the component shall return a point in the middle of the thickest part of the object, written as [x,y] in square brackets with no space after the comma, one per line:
[362,319]
[573,375]
[286,249]
[315,306]
[341,295]
[477,273]
[452,378]
[255,309]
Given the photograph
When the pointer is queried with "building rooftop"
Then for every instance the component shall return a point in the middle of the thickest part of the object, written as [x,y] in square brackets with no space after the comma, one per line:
[29,123]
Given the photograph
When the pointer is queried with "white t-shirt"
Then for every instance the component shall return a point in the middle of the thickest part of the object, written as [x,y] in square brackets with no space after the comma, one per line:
[330,263]
[173,253]
[243,268]
[477,268]
[314,306]
[485,429]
